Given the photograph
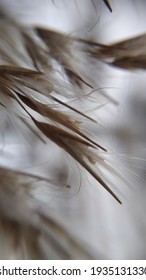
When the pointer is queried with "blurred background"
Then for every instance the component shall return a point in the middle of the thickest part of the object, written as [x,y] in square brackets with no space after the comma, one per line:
[109,230]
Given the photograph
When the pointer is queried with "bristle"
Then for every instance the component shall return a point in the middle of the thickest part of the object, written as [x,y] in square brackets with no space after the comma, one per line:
[108,5]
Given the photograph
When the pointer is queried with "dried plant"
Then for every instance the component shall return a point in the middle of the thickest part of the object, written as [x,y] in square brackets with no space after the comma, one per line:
[40,74]
[128,54]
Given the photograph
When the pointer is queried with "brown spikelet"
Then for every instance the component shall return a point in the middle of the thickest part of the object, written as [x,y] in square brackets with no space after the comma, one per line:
[27,86]
[60,48]
[23,223]
[40,75]
[129,54]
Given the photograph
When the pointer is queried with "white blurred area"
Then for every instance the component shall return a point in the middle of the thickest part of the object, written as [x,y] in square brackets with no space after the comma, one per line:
[112,231]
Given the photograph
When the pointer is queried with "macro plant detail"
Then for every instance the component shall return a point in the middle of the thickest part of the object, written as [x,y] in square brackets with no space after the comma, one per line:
[42,81]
